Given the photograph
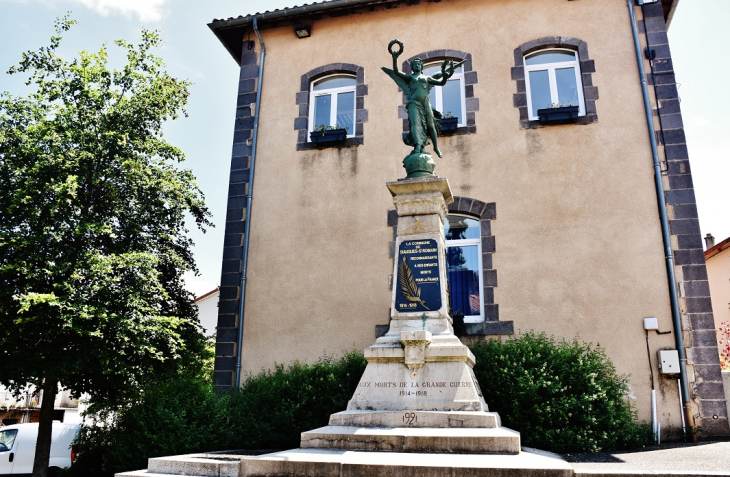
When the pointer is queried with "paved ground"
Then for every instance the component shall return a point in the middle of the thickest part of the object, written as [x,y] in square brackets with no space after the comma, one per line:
[669,458]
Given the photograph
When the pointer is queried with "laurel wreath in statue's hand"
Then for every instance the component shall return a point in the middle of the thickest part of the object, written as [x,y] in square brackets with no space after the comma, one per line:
[397,53]
[447,68]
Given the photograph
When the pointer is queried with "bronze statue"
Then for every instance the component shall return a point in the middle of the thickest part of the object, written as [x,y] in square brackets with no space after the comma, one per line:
[416,86]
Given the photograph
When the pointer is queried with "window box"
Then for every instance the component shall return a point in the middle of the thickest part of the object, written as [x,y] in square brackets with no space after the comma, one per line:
[328,136]
[551,115]
[448,124]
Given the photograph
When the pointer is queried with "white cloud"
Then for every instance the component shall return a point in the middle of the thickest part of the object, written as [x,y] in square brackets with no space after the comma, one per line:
[692,121]
[146,10]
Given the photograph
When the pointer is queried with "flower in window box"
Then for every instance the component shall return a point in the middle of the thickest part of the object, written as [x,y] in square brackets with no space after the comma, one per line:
[448,122]
[558,112]
[326,134]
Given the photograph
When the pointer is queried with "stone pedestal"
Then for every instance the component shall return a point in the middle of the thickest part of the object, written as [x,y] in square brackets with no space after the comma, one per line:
[418,392]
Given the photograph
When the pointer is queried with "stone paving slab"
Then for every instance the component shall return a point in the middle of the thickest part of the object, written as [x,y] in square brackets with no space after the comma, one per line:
[146,473]
[703,458]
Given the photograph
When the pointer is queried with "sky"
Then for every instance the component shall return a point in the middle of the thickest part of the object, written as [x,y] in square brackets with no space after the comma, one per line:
[698,34]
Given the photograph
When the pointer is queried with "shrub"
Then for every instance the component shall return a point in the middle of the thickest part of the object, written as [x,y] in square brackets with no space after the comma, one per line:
[274,408]
[562,396]
[177,417]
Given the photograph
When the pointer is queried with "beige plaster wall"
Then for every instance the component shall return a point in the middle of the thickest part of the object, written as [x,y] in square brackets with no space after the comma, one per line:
[718,274]
[579,249]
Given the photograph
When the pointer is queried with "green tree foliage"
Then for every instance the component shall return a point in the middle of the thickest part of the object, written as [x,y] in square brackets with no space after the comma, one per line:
[562,396]
[93,240]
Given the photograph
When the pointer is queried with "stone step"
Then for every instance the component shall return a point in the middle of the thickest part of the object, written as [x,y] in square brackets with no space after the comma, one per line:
[470,440]
[340,463]
[442,419]
[145,473]
[197,465]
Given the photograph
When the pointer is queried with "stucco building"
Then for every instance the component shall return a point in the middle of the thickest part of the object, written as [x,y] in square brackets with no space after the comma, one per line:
[717,257]
[555,227]
[208,310]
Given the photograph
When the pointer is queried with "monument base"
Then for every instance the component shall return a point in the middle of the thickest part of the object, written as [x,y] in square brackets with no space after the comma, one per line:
[419,164]
[338,463]
[341,463]
[465,432]
[435,419]
[496,440]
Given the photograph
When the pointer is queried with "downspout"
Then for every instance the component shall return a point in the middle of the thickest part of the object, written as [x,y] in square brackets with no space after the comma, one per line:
[672,282]
[249,196]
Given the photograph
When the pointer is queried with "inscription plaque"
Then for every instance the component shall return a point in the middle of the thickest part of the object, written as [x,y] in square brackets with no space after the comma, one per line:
[419,278]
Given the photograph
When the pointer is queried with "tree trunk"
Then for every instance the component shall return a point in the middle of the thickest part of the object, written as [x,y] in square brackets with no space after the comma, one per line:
[45,428]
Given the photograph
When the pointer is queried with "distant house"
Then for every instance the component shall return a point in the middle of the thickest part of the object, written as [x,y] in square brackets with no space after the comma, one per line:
[208,310]
[27,407]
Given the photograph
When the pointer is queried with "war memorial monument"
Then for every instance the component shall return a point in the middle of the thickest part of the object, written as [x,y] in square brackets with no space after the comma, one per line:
[418,408]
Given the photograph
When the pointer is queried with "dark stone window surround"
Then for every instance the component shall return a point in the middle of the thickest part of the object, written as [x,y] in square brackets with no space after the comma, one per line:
[587,67]
[689,261]
[301,123]
[485,213]
[470,79]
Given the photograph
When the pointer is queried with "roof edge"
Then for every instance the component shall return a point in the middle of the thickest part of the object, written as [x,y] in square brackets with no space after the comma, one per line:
[711,252]
[225,29]
[672,9]
[287,12]
[206,295]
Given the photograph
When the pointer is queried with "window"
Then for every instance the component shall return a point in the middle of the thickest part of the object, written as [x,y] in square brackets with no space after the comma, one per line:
[552,77]
[7,438]
[450,98]
[332,103]
[464,266]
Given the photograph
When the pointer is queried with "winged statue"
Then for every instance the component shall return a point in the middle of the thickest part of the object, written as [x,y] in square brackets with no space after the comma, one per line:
[416,86]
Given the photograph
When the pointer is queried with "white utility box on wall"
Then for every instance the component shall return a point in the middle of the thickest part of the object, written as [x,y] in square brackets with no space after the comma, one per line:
[668,361]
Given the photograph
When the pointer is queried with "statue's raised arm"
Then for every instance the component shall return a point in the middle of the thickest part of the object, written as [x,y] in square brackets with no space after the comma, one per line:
[401,79]
[447,71]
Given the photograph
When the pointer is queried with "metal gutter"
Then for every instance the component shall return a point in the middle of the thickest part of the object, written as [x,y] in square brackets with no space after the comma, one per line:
[671,279]
[249,198]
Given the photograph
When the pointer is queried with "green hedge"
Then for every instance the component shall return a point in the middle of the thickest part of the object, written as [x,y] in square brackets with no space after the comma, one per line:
[273,409]
[563,396]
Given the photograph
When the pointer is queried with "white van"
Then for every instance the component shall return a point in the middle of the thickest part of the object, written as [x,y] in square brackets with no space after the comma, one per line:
[17,447]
